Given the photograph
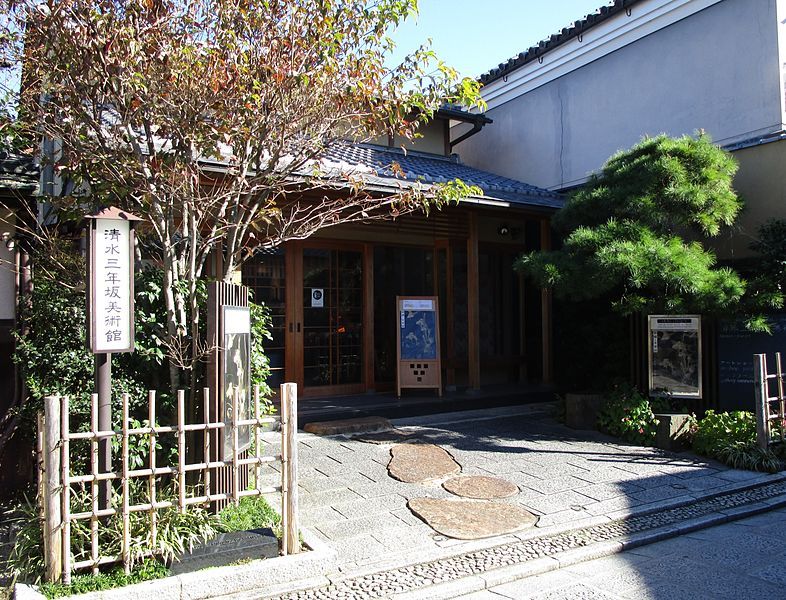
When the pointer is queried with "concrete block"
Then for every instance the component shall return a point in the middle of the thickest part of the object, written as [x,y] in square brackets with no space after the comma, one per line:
[581,410]
[26,592]
[673,430]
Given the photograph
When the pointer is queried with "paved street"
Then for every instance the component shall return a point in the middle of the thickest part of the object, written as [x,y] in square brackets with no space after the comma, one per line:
[592,496]
[740,560]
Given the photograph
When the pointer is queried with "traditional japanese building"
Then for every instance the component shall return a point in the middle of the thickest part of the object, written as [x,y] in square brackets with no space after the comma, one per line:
[495,330]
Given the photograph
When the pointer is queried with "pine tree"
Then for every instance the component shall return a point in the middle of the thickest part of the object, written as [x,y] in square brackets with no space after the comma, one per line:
[636,231]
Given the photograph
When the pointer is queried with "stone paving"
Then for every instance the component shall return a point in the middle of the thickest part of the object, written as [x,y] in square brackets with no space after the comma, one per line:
[418,576]
[567,478]
[736,561]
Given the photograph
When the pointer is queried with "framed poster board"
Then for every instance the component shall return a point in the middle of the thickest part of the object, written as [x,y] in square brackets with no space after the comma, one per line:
[236,373]
[675,355]
[417,343]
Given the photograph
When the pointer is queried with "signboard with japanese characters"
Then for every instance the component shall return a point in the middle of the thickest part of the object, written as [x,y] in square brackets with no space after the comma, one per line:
[675,355]
[111,286]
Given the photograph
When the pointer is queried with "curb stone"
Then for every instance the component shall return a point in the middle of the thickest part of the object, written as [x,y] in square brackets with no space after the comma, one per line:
[495,565]
[308,576]
[217,582]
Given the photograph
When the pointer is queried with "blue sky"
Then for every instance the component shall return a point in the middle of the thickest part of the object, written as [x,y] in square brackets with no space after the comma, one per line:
[476,35]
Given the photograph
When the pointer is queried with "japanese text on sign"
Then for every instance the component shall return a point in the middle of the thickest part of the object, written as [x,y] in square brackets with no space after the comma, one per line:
[112,319]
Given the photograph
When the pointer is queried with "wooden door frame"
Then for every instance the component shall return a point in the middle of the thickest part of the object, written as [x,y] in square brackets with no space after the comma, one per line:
[294,333]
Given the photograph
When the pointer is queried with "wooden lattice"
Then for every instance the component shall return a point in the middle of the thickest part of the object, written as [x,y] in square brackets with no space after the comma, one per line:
[60,484]
[770,410]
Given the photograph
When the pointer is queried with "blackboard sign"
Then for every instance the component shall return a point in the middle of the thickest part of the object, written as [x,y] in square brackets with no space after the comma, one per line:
[736,347]
[417,340]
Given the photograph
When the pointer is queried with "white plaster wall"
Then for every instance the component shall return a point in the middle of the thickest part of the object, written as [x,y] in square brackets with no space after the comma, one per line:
[718,70]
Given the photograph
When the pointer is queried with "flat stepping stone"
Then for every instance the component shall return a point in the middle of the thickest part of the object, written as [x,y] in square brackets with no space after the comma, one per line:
[481,487]
[393,436]
[471,519]
[418,463]
[361,424]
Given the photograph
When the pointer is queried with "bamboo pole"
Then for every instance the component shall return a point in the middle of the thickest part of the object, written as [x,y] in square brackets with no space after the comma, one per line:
[781,403]
[289,397]
[284,470]
[94,549]
[206,440]
[125,484]
[41,483]
[65,462]
[52,490]
[235,444]
[181,450]
[761,394]
[257,439]
[151,417]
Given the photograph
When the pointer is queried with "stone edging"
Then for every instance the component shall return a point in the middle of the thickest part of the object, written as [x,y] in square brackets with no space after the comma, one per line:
[471,571]
[219,581]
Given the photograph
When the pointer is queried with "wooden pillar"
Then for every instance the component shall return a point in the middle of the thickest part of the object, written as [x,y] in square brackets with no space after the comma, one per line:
[368,316]
[523,375]
[473,304]
[545,304]
[450,345]
[289,468]
[53,490]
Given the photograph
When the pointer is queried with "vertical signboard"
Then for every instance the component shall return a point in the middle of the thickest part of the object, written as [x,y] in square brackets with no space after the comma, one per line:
[417,343]
[111,286]
[675,355]
[236,372]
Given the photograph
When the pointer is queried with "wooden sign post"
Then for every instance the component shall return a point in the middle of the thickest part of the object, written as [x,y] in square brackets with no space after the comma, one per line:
[110,311]
[417,343]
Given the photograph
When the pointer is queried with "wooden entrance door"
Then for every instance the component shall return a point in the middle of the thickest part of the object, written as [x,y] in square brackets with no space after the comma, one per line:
[326,328]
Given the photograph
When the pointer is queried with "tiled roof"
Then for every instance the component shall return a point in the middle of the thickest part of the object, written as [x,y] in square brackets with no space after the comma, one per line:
[18,172]
[557,39]
[376,165]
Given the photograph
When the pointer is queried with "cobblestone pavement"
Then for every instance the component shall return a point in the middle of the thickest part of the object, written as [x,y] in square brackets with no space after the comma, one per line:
[413,577]
[741,560]
[569,479]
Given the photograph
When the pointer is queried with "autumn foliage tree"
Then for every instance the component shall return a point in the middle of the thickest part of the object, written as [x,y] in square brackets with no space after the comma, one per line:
[211,118]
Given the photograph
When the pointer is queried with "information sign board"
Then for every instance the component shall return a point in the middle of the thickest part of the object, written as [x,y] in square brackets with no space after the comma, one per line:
[111,286]
[675,355]
[417,343]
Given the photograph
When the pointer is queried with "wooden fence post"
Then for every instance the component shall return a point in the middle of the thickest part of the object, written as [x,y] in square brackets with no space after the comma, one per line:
[761,394]
[289,467]
[53,491]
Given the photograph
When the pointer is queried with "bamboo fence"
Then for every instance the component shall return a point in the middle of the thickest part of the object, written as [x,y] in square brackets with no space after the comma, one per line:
[769,409]
[219,479]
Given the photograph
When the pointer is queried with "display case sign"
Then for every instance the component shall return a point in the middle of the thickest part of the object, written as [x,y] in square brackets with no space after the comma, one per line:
[236,373]
[111,285]
[675,355]
[417,338]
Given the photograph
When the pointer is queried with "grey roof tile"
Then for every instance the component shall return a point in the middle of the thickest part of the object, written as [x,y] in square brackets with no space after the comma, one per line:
[557,39]
[18,172]
[379,161]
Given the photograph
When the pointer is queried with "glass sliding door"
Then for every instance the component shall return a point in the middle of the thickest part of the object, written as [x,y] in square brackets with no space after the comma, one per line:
[332,330]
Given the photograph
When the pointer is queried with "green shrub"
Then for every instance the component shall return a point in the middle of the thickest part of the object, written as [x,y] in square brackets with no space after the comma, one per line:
[176,533]
[81,584]
[253,512]
[731,438]
[717,430]
[628,414]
